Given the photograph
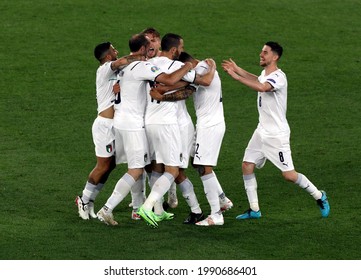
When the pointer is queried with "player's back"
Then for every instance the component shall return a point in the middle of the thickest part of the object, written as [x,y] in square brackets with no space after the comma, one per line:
[129,113]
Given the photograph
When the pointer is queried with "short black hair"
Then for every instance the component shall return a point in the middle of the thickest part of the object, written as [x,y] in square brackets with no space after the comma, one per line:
[101,50]
[184,57]
[275,47]
[137,41]
[169,41]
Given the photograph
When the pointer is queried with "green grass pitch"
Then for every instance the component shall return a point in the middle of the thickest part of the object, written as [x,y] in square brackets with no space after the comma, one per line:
[47,105]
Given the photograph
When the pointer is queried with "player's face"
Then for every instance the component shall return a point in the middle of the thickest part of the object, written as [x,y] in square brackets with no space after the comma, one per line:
[179,49]
[147,48]
[267,56]
[155,45]
[113,53]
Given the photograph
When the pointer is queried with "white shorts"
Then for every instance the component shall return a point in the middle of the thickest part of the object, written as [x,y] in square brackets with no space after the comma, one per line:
[132,148]
[276,149]
[208,144]
[103,137]
[165,144]
[188,142]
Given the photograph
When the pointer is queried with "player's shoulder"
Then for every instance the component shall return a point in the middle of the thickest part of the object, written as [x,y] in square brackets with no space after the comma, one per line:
[202,67]
[278,75]
[135,65]
[105,69]
[104,66]
[280,72]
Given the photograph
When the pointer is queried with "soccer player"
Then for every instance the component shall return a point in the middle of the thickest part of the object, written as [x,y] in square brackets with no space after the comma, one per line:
[271,139]
[154,51]
[210,129]
[163,130]
[102,129]
[139,196]
[130,139]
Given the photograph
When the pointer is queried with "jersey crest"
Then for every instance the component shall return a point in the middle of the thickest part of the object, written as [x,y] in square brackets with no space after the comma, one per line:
[154,69]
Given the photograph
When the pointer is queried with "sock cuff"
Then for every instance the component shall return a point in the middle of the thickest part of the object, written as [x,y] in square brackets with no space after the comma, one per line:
[169,176]
[299,178]
[155,174]
[99,187]
[129,179]
[208,176]
[249,177]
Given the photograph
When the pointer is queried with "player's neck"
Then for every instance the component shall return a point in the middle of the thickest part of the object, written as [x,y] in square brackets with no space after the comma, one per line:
[167,54]
[270,68]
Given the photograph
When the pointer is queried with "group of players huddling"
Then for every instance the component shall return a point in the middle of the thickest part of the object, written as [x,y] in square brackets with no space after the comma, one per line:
[143,121]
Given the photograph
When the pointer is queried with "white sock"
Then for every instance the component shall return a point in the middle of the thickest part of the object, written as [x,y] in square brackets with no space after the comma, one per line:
[173,187]
[96,191]
[154,177]
[137,192]
[307,185]
[250,184]
[144,192]
[219,188]
[210,184]
[158,205]
[121,190]
[187,190]
[148,177]
[221,194]
[91,191]
[160,187]
[88,192]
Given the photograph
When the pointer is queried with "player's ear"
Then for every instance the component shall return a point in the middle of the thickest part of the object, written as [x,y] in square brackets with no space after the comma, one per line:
[173,50]
[143,50]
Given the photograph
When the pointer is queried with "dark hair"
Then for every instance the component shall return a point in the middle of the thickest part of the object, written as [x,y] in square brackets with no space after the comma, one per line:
[101,50]
[275,47]
[184,57]
[169,41]
[137,41]
[151,30]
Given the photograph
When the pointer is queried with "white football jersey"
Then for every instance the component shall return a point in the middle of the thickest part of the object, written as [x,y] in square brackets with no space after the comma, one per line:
[208,101]
[272,106]
[105,79]
[130,108]
[166,112]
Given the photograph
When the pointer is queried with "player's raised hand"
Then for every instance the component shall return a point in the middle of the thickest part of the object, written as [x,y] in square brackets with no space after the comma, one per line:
[228,65]
[211,62]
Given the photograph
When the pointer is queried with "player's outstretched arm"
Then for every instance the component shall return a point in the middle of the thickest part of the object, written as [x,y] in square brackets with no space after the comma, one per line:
[231,68]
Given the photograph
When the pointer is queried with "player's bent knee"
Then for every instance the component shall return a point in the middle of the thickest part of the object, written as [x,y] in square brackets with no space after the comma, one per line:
[247,167]
[290,176]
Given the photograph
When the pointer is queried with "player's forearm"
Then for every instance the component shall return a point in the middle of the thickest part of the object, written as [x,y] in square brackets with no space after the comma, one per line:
[164,88]
[173,78]
[253,84]
[179,94]
[245,74]
[125,60]
[206,79]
